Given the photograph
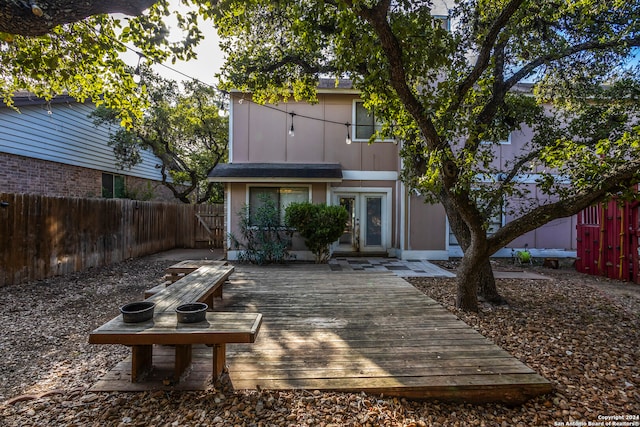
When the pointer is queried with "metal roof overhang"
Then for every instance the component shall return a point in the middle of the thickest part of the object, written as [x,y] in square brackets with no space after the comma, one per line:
[276,172]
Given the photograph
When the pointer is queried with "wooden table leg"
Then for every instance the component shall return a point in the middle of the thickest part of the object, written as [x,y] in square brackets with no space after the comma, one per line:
[219,360]
[218,292]
[209,301]
[141,359]
[183,360]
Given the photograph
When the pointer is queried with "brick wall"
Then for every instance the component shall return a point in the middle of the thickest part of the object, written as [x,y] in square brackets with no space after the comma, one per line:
[20,174]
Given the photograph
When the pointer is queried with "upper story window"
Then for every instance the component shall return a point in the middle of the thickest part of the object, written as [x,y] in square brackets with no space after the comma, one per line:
[445,22]
[365,123]
[281,196]
[112,186]
[504,139]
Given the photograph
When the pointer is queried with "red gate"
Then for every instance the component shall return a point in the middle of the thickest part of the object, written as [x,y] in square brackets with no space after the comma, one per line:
[608,241]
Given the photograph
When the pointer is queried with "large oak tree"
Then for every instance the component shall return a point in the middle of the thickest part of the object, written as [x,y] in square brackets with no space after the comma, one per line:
[183,128]
[563,68]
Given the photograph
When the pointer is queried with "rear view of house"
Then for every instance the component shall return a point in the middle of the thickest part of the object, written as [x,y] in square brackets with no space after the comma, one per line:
[297,151]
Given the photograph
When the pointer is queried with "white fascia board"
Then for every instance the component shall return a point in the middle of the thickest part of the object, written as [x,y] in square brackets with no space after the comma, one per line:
[527,178]
[356,175]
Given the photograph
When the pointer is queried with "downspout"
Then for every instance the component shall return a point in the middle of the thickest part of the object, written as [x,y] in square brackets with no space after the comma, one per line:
[227,197]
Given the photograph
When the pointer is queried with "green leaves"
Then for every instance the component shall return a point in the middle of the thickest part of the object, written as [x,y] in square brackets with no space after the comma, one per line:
[182,127]
[82,59]
[320,225]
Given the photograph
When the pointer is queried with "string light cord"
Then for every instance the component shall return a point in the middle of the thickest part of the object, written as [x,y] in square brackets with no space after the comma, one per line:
[225,93]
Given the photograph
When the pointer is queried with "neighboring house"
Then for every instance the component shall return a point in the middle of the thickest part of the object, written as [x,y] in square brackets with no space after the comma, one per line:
[53,148]
[297,151]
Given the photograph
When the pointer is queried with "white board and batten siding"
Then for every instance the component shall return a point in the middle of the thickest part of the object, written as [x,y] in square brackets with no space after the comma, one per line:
[64,133]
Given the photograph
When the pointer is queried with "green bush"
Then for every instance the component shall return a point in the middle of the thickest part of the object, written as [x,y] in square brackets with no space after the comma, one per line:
[263,240]
[320,225]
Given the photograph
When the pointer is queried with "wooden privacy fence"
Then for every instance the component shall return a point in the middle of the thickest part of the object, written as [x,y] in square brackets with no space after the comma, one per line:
[46,236]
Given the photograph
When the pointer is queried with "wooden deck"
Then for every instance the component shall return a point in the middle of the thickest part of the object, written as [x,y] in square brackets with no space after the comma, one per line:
[375,333]
[347,331]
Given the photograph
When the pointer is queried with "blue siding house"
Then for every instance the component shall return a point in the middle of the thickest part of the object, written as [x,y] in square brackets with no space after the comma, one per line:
[53,148]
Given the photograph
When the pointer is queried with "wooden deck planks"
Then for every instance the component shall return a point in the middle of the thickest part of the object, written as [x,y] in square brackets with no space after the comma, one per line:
[365,332]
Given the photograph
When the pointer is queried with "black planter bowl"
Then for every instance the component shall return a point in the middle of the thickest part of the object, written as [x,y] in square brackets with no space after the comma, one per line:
[136,312]
[192,313]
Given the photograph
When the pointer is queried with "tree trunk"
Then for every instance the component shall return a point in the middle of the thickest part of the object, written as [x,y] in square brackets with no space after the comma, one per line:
[475,277]
[475,269]
[487,285]
[468,278]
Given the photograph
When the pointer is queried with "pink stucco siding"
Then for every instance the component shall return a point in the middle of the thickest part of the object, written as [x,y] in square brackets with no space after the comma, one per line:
[412,229]
[261,134]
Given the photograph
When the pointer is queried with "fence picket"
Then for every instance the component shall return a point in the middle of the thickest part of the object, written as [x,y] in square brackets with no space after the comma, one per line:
[46,236]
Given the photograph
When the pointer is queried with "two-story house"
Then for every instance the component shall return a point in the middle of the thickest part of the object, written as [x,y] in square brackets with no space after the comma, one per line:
[53,148]
[297,151]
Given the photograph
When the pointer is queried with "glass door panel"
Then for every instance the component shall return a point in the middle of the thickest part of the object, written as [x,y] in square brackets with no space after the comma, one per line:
[373,230]
[348,240]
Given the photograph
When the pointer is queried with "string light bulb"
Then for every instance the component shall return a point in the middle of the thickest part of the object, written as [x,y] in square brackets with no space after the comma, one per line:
[291,131]
[348,138]
[137,77]
[36,9]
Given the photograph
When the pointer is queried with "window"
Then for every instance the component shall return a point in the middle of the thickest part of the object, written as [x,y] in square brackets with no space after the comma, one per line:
[495,223]
[364,122]
[112,186]
[505,139]
[445,23]
[282,197]
[497,134]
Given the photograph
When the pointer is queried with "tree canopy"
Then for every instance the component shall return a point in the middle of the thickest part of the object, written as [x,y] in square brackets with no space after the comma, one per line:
[451,83]
[183,128]
[50,47]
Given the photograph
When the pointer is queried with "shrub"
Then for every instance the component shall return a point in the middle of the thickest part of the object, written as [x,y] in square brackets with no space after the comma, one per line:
[320,225]
[263,240]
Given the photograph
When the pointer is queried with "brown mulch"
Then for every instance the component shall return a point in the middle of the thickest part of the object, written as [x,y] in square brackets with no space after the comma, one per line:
[580,332]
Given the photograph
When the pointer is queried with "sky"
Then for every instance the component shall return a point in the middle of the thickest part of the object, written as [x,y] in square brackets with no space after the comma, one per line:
[208,62]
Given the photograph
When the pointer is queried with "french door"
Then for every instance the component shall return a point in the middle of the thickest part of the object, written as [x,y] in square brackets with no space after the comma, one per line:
[367,227]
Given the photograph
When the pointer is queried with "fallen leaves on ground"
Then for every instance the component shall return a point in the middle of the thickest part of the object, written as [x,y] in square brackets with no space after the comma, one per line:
[582,333]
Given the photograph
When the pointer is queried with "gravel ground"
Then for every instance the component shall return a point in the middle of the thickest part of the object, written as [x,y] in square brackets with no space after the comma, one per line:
[580,332]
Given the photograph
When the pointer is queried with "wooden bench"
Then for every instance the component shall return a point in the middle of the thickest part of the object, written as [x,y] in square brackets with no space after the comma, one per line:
[219,328]
[202,285]
[181,269]
[157,288]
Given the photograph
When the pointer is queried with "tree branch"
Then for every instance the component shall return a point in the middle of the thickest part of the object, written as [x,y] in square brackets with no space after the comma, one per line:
[561,54]
[37,17]
[617,180]
[508,178]
[295,60]
[488,112]
[377,17]
[484,56]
